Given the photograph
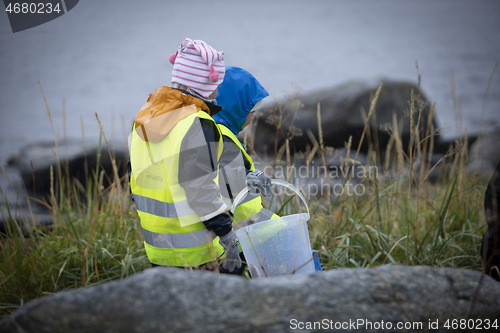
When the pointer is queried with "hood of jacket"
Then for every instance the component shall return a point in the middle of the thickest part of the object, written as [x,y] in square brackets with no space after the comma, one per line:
[238,94]
[164,109]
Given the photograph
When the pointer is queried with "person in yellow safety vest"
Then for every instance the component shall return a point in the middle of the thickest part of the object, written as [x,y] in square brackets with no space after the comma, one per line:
[240,95]
[174,147]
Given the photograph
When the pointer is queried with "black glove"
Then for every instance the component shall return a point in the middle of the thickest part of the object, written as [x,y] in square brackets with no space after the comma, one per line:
[259,182]
[230,244]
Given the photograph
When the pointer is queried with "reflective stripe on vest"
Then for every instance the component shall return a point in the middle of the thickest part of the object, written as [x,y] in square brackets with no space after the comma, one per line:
[179,241]
[160,208]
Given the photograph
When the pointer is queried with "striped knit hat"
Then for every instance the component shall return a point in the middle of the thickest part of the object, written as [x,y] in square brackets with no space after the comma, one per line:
[198,66]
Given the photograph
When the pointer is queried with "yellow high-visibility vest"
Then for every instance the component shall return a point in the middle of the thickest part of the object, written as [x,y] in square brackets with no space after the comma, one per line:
[174,235]
[250,209]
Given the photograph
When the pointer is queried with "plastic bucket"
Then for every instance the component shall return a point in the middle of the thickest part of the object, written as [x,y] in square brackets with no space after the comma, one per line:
[279,246]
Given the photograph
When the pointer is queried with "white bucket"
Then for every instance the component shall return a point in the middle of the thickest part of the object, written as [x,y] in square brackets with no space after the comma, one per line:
[279,246]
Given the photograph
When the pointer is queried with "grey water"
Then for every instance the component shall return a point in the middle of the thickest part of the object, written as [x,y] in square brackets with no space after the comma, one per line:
[106,56]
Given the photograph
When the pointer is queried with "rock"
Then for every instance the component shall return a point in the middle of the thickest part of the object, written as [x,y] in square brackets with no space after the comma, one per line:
[42,156]
[28,176]
[341,116]
[18,203]
[173,300]
[484,154]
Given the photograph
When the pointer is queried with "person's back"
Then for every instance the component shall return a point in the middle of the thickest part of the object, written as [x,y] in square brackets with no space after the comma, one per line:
[174,150]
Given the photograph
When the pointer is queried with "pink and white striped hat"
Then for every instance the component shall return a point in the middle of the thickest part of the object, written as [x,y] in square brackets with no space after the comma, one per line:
[198,66]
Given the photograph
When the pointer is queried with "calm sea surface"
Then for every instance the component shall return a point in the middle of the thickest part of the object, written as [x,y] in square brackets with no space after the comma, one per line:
[107,56]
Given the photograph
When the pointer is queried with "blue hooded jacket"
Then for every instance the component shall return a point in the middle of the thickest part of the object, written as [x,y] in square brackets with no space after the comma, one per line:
[238,94]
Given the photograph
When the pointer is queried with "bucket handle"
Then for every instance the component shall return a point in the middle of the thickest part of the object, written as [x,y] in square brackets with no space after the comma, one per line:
[243,192]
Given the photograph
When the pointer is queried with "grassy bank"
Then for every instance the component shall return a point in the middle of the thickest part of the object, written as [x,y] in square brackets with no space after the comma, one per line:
[440,226]
[400,218]
[96,237]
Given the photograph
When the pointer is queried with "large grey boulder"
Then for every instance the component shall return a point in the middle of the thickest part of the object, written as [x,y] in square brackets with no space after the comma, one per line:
[341,116]
[35,160]
[172,300]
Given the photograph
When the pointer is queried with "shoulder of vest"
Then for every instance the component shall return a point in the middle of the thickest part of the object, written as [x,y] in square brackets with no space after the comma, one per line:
[227,132]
